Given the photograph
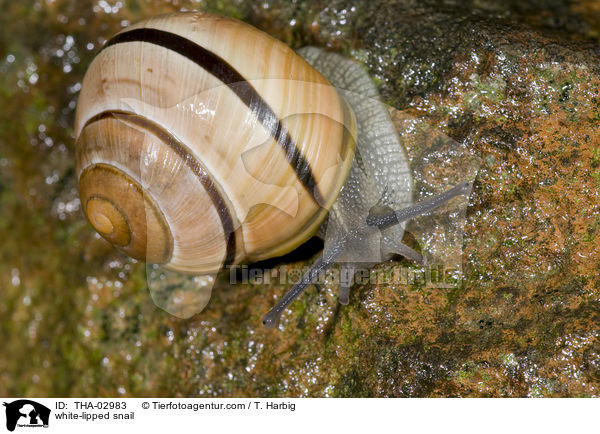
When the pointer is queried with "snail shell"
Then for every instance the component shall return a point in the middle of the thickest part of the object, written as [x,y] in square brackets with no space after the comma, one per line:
[202,142]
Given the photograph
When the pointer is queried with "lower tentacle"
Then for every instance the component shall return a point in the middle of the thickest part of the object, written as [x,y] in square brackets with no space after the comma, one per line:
[347,274]
[392,245]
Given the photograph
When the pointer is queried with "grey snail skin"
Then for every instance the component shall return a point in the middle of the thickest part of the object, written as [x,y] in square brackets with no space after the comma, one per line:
[203,142]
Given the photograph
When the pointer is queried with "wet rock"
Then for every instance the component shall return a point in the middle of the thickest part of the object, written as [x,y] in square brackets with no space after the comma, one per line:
[512,82]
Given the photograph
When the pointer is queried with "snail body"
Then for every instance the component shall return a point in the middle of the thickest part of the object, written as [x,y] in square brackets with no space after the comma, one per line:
[203,142]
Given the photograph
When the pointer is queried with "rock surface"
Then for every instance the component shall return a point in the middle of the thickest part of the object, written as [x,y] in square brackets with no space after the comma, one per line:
[515,83]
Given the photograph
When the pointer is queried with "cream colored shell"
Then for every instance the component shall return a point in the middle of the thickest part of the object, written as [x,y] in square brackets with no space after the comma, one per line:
[178,167]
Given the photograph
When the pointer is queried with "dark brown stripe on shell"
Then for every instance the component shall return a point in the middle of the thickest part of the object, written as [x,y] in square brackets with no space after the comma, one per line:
[195,166]
[227,74]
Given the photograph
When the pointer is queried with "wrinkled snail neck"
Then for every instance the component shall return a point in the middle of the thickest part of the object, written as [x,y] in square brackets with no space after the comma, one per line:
[381,222]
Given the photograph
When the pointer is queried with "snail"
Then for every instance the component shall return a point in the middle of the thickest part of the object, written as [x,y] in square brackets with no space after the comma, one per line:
[203,142]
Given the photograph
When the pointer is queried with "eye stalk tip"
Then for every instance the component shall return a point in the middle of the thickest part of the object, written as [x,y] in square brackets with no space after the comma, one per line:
[269,321]
[465,187]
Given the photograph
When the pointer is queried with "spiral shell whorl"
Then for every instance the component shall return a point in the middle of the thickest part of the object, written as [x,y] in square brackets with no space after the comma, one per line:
[123,214]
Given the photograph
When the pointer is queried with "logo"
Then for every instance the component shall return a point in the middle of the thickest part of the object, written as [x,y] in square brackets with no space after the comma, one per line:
[26,413]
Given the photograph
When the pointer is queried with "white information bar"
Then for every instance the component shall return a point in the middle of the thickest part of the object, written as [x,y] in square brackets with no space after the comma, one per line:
[260,415]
